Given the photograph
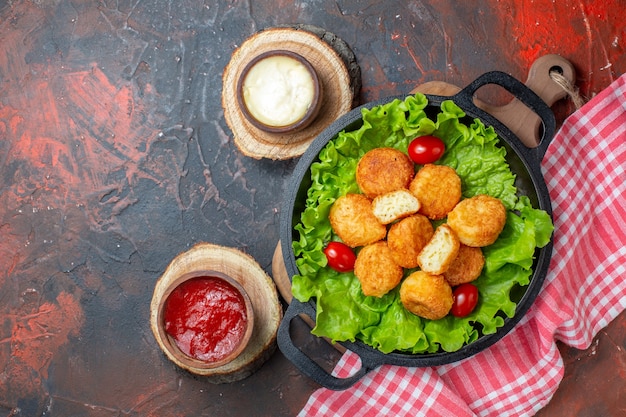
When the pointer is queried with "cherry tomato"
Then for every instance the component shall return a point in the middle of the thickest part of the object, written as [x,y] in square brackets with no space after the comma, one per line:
[340,256]
[426,149]
[465,300]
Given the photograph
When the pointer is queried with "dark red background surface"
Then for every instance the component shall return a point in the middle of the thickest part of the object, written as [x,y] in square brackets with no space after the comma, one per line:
[115,157]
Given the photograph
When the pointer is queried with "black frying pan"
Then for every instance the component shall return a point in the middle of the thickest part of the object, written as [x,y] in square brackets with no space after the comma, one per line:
[524,163]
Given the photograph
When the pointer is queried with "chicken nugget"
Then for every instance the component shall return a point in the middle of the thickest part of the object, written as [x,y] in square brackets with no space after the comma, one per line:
[351,218]
[407,238]
[438,189]
[425,295]
[383,170]
[478,221]
[466,267]
[439,253]
[394,205]
[376,270]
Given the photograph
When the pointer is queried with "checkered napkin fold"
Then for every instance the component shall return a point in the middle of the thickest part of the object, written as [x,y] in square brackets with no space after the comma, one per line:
[584,290]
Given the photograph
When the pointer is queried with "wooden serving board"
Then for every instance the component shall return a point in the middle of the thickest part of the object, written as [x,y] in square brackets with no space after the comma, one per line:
[522,121]
[515,115]
[258,285]
[335,66]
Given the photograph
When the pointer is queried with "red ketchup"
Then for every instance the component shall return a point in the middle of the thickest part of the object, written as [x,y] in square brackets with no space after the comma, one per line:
[207,318]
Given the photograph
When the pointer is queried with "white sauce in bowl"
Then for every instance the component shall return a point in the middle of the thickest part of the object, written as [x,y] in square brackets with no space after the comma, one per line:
[278,90]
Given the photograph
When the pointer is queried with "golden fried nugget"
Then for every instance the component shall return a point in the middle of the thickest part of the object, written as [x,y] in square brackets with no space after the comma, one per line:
[478,220]
[425,295]
[466,267]
[439,253]
[382,170]
[351,218]
[438,189]
[376,270]
[407,238]
[394,205]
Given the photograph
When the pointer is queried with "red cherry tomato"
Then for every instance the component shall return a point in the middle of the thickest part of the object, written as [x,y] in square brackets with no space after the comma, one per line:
[340,256]
[426,149]
[465,300]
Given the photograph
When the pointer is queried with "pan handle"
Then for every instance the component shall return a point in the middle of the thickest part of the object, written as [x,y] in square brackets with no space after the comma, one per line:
[303,362]
[465,99]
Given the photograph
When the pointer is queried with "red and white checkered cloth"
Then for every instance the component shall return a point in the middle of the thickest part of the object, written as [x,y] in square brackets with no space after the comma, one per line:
[584,290]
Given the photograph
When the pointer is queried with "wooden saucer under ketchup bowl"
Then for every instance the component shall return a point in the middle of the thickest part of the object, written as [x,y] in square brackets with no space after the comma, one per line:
[215,313]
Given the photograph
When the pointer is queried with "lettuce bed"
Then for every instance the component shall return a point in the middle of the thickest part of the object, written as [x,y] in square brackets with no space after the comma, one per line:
[343,312]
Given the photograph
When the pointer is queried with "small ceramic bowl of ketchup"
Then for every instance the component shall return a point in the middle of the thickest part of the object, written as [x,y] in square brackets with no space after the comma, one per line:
[205,319]
[279,91]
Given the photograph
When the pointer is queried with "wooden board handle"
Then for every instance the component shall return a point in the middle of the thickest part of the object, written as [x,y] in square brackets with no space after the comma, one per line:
[522,121]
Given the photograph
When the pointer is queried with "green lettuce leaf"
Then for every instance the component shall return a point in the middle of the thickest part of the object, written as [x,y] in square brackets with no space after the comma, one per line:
[343,312]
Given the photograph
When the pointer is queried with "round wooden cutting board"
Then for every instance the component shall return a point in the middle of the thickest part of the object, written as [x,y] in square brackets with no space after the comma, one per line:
[258,285]
[335,65]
